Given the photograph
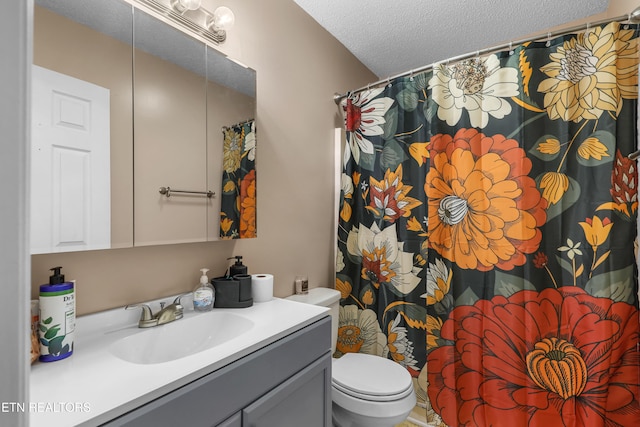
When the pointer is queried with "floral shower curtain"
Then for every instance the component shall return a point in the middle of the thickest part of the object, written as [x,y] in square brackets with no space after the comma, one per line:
[502,183]
[238,201]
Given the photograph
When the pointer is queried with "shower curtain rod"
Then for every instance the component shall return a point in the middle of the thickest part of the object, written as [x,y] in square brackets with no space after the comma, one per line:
[633,17]
[244,122]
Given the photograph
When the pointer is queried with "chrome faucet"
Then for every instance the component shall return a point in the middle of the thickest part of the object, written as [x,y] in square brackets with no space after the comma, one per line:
[165,315]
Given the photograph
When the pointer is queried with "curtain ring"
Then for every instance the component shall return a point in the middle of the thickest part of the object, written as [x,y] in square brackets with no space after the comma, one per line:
[389,82]
[510,48]
[548,43]
[411,75]
[626,25]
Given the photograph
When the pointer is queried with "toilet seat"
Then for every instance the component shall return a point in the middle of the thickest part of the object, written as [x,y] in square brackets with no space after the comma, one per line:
[370,378]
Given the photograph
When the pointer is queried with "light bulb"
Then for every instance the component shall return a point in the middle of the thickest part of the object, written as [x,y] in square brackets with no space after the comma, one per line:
[191,4]
[184,5]
[223,18]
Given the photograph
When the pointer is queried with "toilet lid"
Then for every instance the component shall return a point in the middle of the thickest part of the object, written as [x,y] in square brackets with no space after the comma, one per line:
[370,377]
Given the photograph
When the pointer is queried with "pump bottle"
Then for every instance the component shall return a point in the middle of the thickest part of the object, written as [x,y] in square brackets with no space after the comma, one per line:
[203,294]
[238,267]
[57,318]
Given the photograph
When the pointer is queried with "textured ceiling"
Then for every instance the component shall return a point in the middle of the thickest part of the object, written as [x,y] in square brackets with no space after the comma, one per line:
[392,37]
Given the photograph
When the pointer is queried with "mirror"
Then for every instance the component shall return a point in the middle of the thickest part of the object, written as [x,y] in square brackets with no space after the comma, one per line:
[170,93]
[82,126]
[177,91]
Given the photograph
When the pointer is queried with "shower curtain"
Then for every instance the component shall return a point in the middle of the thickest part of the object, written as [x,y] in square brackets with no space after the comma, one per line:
[487,233]
[238,201]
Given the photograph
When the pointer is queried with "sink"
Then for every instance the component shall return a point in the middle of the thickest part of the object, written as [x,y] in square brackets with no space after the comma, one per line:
[180,338]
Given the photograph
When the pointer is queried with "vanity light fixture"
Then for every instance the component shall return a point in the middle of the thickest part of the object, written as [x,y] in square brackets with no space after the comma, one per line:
[181,6]
[191,15]
[220,21]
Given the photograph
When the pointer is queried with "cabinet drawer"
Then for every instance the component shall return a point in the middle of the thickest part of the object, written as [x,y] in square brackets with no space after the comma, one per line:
[215,397]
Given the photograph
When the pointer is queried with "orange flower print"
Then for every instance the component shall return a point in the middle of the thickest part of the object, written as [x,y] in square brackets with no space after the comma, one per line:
[434,324]
[225,226]
[400,348]
[389,198]
[367,298]
[560,357]
[596,230]
[554,185]
[344,287]
[346,186]
[484,210]
[438,282]
[248,205]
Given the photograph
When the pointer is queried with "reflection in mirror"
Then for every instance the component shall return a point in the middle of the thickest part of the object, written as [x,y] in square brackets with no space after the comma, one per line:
[183,95]
[174,115]
[82,128]
[170,134]
[231,104]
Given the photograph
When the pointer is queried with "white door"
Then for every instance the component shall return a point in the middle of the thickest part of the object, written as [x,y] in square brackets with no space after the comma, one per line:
[70,160]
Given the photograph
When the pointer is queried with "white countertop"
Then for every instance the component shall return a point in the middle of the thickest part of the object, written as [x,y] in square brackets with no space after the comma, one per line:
[93,386]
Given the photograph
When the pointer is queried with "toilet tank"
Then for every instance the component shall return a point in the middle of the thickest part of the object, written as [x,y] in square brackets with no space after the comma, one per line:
[324,297]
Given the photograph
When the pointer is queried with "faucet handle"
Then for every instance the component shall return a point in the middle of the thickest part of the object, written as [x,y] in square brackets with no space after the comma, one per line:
[146,317]
[178,299]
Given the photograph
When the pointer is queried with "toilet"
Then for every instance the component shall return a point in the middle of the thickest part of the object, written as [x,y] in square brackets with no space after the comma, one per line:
[366,390]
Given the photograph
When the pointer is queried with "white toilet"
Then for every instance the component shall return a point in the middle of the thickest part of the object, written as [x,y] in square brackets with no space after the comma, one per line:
[367,391]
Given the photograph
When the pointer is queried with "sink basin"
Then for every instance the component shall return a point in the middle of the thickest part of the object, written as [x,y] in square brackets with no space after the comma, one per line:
[180,338]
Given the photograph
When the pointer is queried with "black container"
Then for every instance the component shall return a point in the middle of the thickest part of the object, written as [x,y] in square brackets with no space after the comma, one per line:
[245,286]
[232,292]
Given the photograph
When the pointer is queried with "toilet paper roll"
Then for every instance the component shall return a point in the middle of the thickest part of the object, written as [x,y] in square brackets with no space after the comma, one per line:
[262,287]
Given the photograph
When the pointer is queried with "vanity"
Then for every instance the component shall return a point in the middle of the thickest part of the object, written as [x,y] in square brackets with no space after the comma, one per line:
[268,365]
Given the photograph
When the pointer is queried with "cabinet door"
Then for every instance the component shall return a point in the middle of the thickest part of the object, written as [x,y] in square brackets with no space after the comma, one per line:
[233,421]
[302,400]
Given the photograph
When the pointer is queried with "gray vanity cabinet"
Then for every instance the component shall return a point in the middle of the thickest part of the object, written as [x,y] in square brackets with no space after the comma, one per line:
[285,384]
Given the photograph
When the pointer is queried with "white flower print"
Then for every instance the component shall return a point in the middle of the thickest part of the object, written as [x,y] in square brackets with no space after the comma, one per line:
[383,260]
[400,347]
[477,85]
[364,117]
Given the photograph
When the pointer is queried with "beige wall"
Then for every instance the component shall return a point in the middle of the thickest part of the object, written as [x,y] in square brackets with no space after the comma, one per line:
[299,67]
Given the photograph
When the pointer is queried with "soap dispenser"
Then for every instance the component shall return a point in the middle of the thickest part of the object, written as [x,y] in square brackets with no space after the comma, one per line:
[203,294]
[238,267]
[57,317]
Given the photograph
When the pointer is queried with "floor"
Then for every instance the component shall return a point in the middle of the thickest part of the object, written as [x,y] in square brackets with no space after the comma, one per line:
[416,418]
